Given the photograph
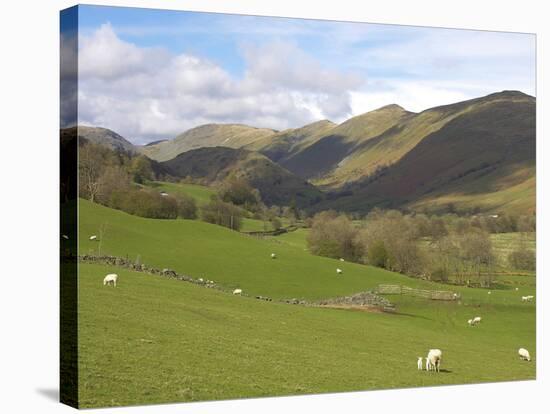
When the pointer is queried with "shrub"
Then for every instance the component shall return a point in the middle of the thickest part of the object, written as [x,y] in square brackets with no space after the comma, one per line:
[222,213]
[522,259]
[187,207]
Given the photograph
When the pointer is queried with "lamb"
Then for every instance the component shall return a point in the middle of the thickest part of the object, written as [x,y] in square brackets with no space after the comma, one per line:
[237,291]
[419,363]
[110,279]
[339,271]
[434,359]
[273,256]
[94,237]
[477,320]
[524,354]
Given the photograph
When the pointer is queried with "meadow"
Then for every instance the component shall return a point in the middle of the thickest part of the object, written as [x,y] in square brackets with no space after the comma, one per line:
[153,339]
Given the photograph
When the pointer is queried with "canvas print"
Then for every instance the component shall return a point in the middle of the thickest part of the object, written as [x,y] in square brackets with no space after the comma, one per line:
[264,206]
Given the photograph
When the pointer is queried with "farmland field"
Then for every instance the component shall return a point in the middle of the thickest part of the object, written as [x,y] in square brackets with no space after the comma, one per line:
[153,339]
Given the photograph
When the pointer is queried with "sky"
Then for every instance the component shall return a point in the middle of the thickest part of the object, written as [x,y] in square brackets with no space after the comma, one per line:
[152,74]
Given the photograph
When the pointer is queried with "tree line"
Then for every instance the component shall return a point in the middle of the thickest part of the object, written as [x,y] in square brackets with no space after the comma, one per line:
[448,248]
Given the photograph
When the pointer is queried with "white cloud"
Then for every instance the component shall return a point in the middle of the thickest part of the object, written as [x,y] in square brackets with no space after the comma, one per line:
[148,93]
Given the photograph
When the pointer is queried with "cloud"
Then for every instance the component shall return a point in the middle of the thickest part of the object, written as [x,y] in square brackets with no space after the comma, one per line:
[148,93]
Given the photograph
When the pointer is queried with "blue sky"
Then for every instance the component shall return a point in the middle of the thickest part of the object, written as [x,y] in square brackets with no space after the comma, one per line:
[150,74]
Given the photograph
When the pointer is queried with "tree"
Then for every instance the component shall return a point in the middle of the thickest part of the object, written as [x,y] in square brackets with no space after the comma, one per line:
[222,213]
[90,168]
[140,168]
[237,191]
[187,207]
[334,236]
[114,178]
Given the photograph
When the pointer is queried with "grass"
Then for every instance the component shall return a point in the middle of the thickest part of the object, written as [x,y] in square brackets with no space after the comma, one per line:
[153,340]
[200,193]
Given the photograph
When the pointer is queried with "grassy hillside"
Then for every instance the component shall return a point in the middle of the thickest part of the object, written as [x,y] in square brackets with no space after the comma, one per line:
[211,135]
[276,185]
[482,157]
[155,340]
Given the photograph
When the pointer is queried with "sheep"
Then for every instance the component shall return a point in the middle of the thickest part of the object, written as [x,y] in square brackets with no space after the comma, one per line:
[524,354]
[273,256]
[517,289]
[489,292]
[342,259]
[237,291]
[419,363]
[339,271]
[110,279]
[434,359]
[477,320]
[94,237]
[428,366]
[65,236]
[527,298]
[471,322]
[200,279]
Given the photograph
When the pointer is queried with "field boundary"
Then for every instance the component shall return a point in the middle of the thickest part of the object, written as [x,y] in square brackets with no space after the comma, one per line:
[422,293]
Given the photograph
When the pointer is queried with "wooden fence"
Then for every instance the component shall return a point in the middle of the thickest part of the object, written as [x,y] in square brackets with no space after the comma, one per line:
[422,293]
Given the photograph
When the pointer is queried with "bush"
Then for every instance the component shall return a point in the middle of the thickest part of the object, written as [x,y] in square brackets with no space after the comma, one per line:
[187,207]
[377,254]
[334,236]
[522,259]
[145,203]
[222,213]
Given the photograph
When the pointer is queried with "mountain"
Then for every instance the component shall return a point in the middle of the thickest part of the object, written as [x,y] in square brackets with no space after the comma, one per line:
[210,135]
[277,185]
[106,137]
[330,159]
[473,155]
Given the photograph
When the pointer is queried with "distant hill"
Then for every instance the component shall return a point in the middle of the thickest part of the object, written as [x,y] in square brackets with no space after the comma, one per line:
[106,137]
[149,144]
[211,135]
[473,155]
[276,185]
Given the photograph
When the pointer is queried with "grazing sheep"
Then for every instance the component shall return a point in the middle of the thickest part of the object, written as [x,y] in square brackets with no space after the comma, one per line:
[419,363]
[273,256]
[517,289]
[434,359]
[237,291]
[524,354]
[471,322]
[342,259]
[110,279]
[489,292]
[477,320]
[339,271]
[200,279]
[527,298]
[428,366]
[94,237]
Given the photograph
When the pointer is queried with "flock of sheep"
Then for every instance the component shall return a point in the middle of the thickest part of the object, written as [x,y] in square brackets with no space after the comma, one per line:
[433,359]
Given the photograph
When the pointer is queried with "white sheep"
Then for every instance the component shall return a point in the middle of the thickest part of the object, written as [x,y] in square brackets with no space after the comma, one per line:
[428,366]
[527,298]
[524,354]
[273,256]
[94,237]
[201,279]
[110,279]
[419,363]
[517,289]
[342,259]
[65,236]
[434,359]
[489,292]
[339,271]
[237,291]
[471,322]
[477,320]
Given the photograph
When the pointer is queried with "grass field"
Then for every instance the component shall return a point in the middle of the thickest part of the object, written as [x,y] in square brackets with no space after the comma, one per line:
[153,339]
[200,193]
